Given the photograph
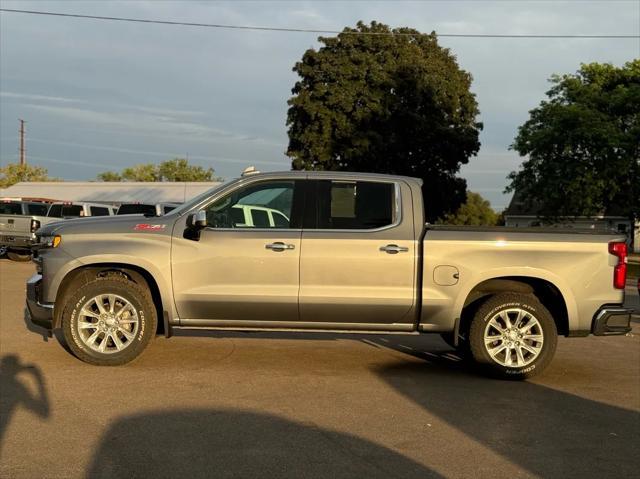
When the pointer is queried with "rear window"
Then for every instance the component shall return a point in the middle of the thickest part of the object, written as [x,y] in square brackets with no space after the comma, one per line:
[99,211]
[168,208]
[137,209]
[10,208]
[260,218]
[37,209]
[65,211]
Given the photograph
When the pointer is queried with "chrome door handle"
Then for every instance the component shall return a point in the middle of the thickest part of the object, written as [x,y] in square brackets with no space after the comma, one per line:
[279,246]
[394,249]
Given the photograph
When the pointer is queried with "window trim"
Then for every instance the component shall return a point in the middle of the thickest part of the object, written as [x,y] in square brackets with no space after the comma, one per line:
[297,183]
[397,213]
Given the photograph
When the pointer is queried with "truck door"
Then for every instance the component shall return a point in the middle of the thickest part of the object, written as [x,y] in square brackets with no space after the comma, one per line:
[242,270]
[358,259]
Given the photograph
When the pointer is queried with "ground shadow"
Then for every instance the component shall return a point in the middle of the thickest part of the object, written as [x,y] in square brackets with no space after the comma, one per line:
[14,393]
[218,443]
[548,433]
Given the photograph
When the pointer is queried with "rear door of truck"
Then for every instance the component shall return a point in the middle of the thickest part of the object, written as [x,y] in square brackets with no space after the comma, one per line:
[357,262]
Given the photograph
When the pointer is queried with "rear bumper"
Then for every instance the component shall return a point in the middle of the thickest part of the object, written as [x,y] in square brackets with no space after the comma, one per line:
[40,314]
[23,242]
[611,321]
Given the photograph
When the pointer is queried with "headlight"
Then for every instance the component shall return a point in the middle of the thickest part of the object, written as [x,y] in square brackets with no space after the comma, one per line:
[52,241]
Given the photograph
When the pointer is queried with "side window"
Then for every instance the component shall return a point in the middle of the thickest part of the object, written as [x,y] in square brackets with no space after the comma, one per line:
[166,209]
[251,206]
[355,205]
[37,209]
[99,211]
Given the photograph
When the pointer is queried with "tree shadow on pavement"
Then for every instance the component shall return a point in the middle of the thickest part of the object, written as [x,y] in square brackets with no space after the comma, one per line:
[14,393]
[547,432]
[218,443]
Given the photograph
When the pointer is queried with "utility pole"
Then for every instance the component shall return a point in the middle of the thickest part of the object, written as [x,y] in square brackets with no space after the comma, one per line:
[23,156]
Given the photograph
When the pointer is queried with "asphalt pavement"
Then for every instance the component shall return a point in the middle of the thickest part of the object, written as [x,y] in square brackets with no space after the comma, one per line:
[217,405]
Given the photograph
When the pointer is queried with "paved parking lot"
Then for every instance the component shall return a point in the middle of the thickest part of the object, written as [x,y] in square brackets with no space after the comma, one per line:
[208,404]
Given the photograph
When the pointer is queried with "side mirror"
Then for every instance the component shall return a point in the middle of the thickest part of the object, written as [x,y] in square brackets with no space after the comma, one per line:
[197,220]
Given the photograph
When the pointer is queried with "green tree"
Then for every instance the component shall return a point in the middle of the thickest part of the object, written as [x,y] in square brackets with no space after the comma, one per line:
[583,145]
[14,173]
[387,101]
[177,169]
[110,176]
[475,211]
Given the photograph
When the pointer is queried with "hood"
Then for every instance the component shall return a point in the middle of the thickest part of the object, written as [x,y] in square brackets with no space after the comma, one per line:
[107,224]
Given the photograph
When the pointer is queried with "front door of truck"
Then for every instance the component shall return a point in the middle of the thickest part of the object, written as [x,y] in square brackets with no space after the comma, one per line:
[245,265]
[358,261]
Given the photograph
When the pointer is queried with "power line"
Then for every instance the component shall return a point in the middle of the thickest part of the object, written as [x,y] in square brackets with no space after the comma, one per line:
[306,30]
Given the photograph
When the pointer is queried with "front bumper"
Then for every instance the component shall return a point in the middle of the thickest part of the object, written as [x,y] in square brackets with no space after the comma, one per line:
[611,321]
[40,314]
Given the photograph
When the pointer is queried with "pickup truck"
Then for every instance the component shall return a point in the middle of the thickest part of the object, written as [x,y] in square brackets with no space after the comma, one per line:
[354,255]
[19,220]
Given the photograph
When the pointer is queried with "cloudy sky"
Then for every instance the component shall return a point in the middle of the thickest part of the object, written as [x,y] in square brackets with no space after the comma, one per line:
[104,95]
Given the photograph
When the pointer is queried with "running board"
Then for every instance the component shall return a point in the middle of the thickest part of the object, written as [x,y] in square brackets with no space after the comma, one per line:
[230,325]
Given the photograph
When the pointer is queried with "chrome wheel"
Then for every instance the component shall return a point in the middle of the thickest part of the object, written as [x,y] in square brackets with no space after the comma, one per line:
[108,323]
[513,337]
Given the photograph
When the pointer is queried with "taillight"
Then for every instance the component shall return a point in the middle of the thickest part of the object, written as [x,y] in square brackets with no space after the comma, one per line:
[619,250]
[35,224]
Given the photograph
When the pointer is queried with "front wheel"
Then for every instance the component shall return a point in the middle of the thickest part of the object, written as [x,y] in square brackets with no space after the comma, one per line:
[513,336]
[109,321]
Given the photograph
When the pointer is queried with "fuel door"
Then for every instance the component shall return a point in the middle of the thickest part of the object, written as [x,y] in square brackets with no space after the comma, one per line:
[445,275]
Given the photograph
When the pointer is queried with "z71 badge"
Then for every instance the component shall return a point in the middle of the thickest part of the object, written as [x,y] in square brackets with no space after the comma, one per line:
[149,227]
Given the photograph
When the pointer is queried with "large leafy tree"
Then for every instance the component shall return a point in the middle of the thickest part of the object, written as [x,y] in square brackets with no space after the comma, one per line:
[177,169]
[583,145]
[384,100]
[14,173]
[476,211]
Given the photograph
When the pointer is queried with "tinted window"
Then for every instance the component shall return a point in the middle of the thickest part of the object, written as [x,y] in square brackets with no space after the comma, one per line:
[280,220]
[99,211]
[10,208]
[65,211]
[354,205]
[166,209]
[259,199]
[137,209]
[38,209]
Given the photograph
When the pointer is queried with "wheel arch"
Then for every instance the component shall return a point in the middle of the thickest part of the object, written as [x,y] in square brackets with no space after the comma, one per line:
[547,293]
[84,274]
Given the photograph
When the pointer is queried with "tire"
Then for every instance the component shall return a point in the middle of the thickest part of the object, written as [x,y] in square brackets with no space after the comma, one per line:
[14,256]
[525,332]
[114,334]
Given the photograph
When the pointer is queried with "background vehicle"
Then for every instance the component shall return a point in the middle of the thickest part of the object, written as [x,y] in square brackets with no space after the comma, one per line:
[68,209]
[355,255]
[18,222]
[148,209]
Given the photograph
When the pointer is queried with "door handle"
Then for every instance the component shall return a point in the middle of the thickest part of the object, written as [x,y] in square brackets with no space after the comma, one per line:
[394,249]
[279,246]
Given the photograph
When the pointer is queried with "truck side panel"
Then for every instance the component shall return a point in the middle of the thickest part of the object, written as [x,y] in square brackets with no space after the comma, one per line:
[579,266]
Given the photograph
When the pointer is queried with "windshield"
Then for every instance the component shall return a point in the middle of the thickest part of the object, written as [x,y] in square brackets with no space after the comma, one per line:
[201,197]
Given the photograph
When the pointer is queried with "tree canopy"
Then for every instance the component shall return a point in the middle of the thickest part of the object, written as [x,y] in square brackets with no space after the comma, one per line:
[476,211]
[391,101]
[583,145]
[177,169]
[14,173]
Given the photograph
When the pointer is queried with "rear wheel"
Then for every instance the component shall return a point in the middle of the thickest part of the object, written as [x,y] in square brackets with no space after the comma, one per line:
[109,321]
[15,256]
[513,336]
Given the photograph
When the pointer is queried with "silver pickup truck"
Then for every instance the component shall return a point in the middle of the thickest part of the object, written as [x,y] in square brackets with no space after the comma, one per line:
[19,221]
[349,252]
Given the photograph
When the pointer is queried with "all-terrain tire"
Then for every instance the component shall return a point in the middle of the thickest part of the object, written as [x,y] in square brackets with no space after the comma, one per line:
[541,337]
[120,287]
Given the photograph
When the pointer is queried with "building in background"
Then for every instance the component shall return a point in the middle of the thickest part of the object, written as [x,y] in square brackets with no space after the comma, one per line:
[523,214]
[113,193]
